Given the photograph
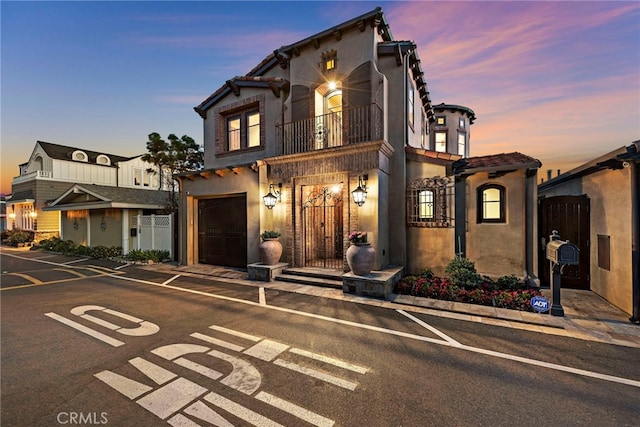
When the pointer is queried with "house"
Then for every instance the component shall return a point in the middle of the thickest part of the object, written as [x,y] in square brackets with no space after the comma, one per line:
[296,144]
[83,195]
[596,206]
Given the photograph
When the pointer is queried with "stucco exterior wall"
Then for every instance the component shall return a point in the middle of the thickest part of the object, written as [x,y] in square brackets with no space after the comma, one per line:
[245,181]
[610,216]
[498,249]
[105,227]
[78,234]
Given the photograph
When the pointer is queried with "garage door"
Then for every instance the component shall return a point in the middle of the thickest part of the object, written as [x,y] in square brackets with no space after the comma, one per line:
[222,231]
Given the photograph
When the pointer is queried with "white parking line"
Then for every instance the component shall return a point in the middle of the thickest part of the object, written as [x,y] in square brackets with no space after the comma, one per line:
[330,360]
[262,299]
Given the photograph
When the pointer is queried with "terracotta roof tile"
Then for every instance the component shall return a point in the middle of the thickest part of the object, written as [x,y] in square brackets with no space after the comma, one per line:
[501,161]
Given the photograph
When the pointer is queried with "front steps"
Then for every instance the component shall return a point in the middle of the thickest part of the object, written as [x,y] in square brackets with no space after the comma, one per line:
[311,276]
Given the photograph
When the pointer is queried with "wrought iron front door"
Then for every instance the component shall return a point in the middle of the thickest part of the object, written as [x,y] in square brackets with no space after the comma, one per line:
[322,226]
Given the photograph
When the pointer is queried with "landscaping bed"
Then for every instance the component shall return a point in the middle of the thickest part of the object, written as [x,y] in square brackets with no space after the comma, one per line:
[463,284]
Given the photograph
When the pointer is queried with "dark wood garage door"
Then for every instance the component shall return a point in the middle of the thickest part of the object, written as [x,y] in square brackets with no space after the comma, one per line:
[569,215]
[222,231]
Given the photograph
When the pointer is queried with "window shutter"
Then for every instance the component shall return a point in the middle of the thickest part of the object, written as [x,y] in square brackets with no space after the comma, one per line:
[300,103]
[356,96]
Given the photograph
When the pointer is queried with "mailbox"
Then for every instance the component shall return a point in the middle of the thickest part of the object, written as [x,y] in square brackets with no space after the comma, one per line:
[562,252]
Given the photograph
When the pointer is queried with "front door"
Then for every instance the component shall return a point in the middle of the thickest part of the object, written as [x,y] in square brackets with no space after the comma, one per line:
[222,231]
[569,215]
[322,226]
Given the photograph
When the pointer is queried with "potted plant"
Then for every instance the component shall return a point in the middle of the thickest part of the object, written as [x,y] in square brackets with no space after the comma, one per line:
[360,255]
[270,249]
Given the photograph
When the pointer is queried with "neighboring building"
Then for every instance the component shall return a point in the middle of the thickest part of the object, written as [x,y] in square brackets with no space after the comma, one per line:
[597,207]
[3,214]
[68,192]
[345,109]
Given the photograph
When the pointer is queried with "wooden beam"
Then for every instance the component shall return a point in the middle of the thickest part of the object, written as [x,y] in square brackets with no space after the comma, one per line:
[219,172]
[206,174]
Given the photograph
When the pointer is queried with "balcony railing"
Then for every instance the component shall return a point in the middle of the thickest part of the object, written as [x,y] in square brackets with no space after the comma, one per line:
[32,175]
[349,126]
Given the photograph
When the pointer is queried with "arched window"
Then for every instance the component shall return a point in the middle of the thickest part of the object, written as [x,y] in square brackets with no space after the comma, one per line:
[80,156]
[428,203]
[103,160]
[491,203]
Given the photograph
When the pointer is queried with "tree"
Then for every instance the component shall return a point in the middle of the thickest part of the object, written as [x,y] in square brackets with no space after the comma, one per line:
[173,156]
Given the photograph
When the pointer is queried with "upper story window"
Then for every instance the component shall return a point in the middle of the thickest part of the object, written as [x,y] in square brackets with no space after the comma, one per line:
[243,130]
[441,142]
[425,130]
[462,143]
[329,61]
[428,203]
[491,203]
[239,125]
[461,123]
[80,156]
[143,178]
[410,105]
[441,121]
[103,160]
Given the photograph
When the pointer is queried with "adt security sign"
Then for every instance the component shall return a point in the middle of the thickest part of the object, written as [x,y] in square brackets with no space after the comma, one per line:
[540,304]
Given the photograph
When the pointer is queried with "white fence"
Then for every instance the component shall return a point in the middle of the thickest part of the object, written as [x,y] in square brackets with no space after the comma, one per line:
[155,232]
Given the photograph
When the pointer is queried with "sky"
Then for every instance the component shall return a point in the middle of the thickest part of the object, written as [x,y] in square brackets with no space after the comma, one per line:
[558,81]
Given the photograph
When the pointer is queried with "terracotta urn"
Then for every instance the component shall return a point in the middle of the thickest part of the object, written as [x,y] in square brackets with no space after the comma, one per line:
[360,257]
[270,251]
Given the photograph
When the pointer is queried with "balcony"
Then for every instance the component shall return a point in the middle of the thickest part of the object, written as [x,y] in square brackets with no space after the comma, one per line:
[349,126]
[32,175]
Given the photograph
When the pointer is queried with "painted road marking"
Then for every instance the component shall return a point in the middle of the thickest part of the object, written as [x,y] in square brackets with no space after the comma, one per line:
[202,411]
[240,411]
[166,282]
[144,328]
[172,397]
[217,342]
[158,374]
[316,374]
[70,271]
[429,327]
[31,279]
[124,385]
[75,260]
[298,411]
[236,333]
[95,334]
[330,360]
[262,299]
[266,350]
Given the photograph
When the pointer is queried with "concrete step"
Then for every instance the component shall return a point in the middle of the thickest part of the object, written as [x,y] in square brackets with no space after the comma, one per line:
[318,273]
[312,278]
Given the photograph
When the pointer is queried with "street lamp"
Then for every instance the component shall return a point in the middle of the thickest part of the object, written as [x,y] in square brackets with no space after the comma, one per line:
[360,193]
[272,196]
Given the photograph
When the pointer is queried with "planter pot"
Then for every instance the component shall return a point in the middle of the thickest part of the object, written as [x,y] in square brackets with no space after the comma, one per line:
[360,257]
[270,251]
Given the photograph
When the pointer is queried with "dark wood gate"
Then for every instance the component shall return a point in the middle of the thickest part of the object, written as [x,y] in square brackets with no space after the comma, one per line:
[322,227]
[569,215]
[222,231]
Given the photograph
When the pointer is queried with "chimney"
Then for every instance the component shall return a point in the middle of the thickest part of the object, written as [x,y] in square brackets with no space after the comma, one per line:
[558,172]
[549,171]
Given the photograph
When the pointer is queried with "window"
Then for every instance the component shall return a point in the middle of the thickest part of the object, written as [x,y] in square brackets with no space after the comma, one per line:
[410,106]
[425,130]
[428,203]
[491,203]
[243,130]
[80,156]
[441,121]
[329,60]
[461,123]
[141,177]
[103,160]
[462,143]
[441,142]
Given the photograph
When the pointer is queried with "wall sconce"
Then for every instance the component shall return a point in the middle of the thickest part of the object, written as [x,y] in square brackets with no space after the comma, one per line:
[360,193]
[34,216]
[12,216]
[272,196]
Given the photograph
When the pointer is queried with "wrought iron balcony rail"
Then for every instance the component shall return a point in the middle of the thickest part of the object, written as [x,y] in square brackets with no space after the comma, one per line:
[349,126]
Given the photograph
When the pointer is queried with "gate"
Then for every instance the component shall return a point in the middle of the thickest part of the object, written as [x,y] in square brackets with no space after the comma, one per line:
[322,227]
[155,232]
[222,231]
[569,215]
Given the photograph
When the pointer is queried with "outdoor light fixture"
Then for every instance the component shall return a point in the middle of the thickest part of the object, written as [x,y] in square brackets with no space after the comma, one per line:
[272,196]
[360,193]
[12,216]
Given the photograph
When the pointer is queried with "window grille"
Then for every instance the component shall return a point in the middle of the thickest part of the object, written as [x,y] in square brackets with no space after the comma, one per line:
[430,202]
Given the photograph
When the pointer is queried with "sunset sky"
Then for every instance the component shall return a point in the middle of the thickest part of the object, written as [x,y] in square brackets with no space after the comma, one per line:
[558,81]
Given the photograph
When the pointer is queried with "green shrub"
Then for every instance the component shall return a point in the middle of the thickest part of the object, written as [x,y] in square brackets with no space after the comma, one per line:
[427,273]
[157,255]
[510,282]
[19,236]
[135,255]
[462,272]
[154,255]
